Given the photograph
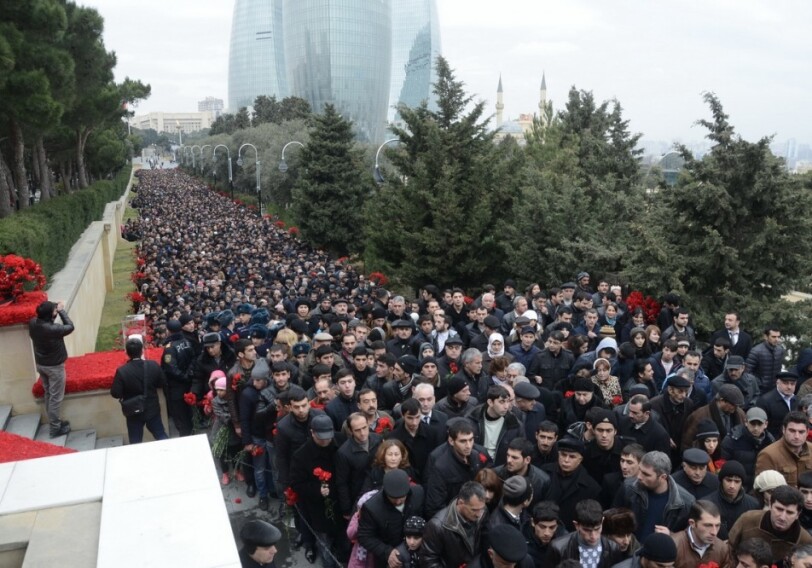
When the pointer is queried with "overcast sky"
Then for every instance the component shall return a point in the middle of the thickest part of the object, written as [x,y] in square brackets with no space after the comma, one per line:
[656,58]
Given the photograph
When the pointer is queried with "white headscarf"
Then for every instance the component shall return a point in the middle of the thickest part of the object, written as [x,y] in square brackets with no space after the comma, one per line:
[496,337]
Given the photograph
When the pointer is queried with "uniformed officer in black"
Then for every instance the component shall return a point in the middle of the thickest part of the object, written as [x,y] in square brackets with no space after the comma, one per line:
[177,361]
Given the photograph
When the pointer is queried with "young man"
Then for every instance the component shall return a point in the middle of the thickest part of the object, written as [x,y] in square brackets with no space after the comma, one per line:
[518,463]
[731,498]
[754,553]
[779,525]
[699,543]
[546,437]
[745,442]
[586,545]
[569,481]
[495,425]
[791,454]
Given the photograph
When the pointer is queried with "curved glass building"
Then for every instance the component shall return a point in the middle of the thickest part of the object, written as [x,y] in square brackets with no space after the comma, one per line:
[363,56]
[415,48]
[256,64]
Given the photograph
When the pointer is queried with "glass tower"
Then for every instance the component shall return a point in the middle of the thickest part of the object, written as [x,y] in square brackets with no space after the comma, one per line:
[363,56]
[415,48]
[256,63]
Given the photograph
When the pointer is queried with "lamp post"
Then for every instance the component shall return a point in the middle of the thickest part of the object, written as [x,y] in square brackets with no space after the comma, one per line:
[214,157]
[379,179]
[194,165]
[202,160]
[283,165]
[256,158]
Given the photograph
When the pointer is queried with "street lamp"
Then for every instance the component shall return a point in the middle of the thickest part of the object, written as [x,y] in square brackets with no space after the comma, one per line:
[379,179]
[194,165]
[283,165]
[214,157]
[256,158]
[202,162]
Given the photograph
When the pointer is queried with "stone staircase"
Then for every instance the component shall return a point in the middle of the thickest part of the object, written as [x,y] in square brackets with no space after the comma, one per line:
[28,426]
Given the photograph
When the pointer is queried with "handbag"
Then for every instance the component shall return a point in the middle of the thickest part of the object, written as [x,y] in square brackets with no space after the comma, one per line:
[135,406]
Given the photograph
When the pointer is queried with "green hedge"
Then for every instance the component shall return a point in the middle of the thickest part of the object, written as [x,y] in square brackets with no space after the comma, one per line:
[47,231]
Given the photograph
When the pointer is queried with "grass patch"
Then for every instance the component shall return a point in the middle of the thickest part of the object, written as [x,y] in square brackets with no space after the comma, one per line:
[116,303]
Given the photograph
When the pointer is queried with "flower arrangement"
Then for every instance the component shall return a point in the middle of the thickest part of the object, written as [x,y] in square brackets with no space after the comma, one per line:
[650,306]
[18,448]
[22,309]
[378,278]
[19,275]
[135,297]
[383,426]
[324,477]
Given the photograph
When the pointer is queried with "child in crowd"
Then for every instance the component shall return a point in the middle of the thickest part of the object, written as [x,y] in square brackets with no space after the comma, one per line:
[224,440]
[409,549]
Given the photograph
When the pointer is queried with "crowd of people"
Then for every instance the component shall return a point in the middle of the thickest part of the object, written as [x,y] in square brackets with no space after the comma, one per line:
[547,426]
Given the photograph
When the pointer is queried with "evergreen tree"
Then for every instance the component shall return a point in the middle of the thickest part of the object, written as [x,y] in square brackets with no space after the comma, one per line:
[328,196]
[733,234]
[435,220]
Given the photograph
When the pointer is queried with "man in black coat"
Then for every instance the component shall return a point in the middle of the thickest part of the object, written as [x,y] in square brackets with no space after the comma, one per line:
[139,377]
[640,426]
[316,496]
[519,454]
[569,481]
[552,365]
[345,403]
[740,341]
[216,355]
[746,441]
[382,517]
[353,461]
[731,498]
[453,464]
[694,476]
[400,388]
[779,401]
[419,439]
[587,536]
[673,408]
[50,355]
[495,425]
[177,364]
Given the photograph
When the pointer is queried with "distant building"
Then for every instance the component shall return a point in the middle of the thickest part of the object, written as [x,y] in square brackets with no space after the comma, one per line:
[524,124]
[172,122]
[212,105]
[363,56]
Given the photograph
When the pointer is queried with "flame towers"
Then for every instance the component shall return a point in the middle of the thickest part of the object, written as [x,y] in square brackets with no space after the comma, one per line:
[363,56]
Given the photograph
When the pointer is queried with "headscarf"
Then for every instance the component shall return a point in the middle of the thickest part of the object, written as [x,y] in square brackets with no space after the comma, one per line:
[496,337]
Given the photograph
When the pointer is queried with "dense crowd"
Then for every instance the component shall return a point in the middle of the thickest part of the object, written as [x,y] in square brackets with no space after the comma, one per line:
[549,426]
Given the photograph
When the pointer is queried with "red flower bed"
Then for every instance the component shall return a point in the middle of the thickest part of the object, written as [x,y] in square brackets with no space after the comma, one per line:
[93,371]
[650,306]
[22,310]
[17,448]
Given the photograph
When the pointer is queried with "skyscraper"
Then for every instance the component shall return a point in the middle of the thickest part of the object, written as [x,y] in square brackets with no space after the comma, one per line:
[363,56]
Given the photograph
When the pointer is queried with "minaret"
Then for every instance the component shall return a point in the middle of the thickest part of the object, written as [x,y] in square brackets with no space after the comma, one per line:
[500,105]
[543,99]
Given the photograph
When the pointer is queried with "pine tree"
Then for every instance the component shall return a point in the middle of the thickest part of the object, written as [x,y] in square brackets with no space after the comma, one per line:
[733,234]
[328,196]
[434,220]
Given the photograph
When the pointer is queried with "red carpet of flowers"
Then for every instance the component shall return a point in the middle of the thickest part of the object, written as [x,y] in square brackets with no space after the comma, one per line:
[22,310]
[94,371]
[16,448]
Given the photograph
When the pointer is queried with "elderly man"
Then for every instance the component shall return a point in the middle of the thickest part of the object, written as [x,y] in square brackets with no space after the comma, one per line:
[570,482]
[724,411]
[779,400]
[453,536]
[791,454]
[694,477]
[735,374]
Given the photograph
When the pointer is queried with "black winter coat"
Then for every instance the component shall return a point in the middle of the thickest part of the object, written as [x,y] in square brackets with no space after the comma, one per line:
[380,524]
[732,510]
[552,368]
[537,478]
[420,446]
[448,474]
[177,363]
[290,436]
[311,502]
[47,337]
[773,404]
[741,446]
[445,542]
[566,548]
[128,382]
[568,493]
[352,465]
[206,364]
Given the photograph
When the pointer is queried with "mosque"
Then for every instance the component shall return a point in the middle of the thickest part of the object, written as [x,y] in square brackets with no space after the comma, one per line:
[519,127]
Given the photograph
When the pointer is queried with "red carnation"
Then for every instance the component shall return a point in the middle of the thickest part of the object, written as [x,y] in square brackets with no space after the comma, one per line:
[238,500]
[617,399]
[291,498]
[483,458]
[569,394]
[233,338]
[453,367]
[384,425]
[257,451]
[190,398]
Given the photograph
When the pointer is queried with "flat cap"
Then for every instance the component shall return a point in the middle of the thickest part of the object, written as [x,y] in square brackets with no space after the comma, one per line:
[731,394]
[508,543]
[526,391]
[695,456]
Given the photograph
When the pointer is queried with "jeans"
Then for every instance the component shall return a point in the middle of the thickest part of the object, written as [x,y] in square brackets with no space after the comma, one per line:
[263,474]
[135,428]
[53,381]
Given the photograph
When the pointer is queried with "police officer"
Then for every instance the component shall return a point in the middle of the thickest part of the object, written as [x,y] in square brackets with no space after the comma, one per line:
[177,361]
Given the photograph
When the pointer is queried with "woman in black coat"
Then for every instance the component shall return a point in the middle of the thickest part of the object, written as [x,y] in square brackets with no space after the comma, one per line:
[136,378]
